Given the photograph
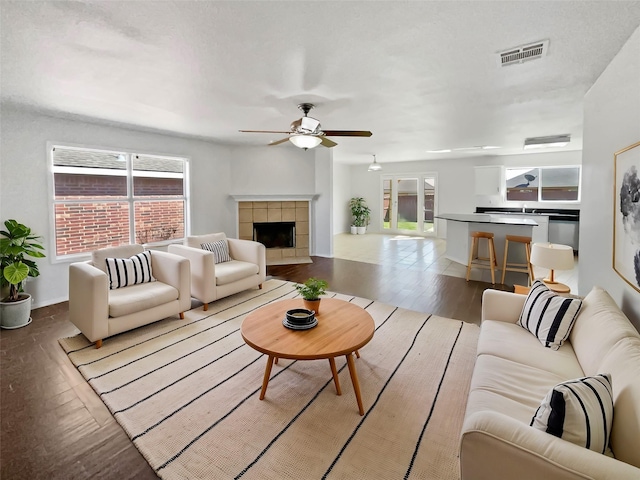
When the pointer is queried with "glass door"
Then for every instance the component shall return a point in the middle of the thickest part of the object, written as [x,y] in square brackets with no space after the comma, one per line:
[409,203]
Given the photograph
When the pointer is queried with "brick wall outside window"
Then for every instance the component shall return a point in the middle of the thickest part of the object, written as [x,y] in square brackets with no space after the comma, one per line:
[83,224]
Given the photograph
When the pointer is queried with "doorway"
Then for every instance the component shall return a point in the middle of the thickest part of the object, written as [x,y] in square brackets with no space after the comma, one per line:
[409,203]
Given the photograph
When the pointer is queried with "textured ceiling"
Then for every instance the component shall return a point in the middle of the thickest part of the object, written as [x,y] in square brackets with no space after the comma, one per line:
[420,75]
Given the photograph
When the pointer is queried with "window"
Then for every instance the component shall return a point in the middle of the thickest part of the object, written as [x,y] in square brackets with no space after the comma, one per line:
[543,184]
[106,198]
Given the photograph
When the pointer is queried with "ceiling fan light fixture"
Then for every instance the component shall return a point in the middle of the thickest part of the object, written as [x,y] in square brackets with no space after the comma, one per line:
[375,166]
[554,141]
[305,141]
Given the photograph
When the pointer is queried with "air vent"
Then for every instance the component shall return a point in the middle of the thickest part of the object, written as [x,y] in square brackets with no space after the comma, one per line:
[523,53]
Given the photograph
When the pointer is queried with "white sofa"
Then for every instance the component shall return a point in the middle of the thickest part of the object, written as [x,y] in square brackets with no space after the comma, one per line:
[100,312]
[513,373]
[210,281]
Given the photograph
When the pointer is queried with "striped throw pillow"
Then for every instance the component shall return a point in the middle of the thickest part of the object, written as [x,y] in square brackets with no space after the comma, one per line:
[579,411]
[129,271]
[220,250]
[549,316]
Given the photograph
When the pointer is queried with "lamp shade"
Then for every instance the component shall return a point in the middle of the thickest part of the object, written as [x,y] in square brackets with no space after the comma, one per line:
[305,141]
[552,256]
[375,166]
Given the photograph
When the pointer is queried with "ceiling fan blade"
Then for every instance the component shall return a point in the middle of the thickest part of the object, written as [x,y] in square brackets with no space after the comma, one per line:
[347,133]
[278,142]
[325,142]
[262,131]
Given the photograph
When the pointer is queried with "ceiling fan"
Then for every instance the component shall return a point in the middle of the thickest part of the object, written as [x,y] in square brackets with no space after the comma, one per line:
[306,132]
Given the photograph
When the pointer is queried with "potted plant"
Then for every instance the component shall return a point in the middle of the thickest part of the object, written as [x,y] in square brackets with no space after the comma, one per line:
[311,291]
[16,244]
[361,214]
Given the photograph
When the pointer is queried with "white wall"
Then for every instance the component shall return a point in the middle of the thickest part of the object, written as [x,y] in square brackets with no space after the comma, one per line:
[24,191]
[264,170]
[341,196]
[322,244]
[611,122]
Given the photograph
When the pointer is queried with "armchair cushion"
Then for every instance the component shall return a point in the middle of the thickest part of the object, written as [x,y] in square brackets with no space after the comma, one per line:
[137,298]
[129,271]
[220,250]
[234,270]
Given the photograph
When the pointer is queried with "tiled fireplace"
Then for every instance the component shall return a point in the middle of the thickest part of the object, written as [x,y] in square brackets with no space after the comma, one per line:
[284,214]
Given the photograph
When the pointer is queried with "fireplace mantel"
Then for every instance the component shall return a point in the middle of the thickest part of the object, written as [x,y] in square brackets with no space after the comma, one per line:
[281,197]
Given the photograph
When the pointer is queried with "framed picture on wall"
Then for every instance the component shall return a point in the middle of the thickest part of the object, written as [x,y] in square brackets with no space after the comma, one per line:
[626,214]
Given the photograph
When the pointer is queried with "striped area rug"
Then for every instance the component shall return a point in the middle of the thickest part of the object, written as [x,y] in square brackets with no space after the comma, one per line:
[186,392]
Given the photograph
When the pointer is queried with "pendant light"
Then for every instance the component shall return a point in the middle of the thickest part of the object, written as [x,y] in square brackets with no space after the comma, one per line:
[375,166]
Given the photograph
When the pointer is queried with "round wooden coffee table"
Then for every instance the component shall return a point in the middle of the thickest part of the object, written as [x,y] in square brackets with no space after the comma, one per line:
[343,328]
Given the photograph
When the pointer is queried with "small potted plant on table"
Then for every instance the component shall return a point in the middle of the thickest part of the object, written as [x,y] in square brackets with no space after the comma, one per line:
[16,243]
[311,291]
[361,213]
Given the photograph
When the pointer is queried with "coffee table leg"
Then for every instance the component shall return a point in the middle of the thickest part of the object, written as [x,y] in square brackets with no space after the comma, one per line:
[354,380]
[357,354]
[334,372]
[267,374]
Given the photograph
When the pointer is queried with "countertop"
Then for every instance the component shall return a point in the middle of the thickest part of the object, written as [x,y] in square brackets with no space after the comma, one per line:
[487,218]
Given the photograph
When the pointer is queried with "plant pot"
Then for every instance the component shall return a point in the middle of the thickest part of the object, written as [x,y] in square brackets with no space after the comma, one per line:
[361,230]
[354,229]
[312,305]
[16,314]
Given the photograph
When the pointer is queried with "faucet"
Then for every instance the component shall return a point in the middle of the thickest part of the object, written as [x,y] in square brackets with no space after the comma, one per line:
[524,208]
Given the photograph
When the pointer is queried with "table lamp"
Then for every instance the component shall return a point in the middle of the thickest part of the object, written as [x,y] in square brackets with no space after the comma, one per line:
[554,257]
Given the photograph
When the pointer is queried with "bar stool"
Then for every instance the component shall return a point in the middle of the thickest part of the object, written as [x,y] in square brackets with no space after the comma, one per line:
[517,267]
[475,259]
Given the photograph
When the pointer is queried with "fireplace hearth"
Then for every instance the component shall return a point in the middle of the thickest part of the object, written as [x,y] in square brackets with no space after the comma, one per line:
[275,234]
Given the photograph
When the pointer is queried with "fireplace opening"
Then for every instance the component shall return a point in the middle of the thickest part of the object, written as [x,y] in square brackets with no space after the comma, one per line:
[275,234]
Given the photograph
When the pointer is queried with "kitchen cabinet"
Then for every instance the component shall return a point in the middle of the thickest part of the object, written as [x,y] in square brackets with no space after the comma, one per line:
[488,180]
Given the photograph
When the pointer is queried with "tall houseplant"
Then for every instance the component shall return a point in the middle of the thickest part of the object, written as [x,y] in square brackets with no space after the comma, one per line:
[17,243]
[310,292]
[360,213]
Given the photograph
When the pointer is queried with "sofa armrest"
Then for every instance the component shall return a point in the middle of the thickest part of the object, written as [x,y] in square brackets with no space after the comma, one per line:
[494,445]
[502,306]
[249,251]
[173,270]
[89,300]
[203,271]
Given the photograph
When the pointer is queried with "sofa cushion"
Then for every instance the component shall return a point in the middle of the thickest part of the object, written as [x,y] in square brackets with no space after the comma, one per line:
[137,298]
[512,342]
[220,250]
[599,326]
[579,411]
[99,257]
[229,272]
[134,270]
[511,388]
[549,316]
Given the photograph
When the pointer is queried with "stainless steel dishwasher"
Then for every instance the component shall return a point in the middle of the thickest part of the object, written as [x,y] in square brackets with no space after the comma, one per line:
[565,230]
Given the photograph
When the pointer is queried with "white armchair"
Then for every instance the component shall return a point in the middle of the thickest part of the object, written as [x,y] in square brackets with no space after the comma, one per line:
[100,312]
[210,281]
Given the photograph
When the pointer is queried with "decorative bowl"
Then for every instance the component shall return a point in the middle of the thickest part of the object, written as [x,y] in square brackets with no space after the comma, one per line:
[300,316]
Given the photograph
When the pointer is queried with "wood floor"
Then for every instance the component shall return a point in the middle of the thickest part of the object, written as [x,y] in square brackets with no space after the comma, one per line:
[54,426]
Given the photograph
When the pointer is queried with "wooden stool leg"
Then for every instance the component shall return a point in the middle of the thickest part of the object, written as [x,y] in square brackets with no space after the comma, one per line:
[473,244]
[504,262]
[492,260]
[527,247]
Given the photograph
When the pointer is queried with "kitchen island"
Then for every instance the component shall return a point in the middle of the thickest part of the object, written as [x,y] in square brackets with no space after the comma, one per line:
[460,226]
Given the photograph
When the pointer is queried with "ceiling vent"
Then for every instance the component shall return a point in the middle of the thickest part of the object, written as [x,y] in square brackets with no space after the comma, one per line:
[523,53]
